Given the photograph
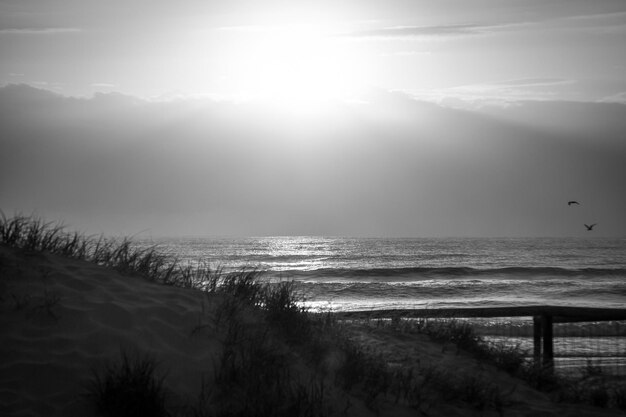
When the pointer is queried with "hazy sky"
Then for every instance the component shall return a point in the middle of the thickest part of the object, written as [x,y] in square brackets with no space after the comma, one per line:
[358,118]
[556,49]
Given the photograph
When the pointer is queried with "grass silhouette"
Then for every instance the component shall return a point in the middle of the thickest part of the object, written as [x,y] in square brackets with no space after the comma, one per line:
[129,388]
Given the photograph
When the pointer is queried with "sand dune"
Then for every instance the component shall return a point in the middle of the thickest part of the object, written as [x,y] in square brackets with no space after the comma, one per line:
[74,317]
[61,318]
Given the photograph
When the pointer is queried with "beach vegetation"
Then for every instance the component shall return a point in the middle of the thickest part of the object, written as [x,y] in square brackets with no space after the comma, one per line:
[129,388]
[619,396]
[20,301]
[599,395]
[420,386]
[472,389]
[591,370]
[462,335]
[258,324]
[45,307]
[35,235]
[363,370]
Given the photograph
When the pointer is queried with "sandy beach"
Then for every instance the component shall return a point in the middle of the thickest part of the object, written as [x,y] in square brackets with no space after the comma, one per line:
[63,320]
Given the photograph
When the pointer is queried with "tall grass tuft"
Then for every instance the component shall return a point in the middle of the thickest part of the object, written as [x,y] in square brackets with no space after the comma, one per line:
[129,388]
[254,373]
[243,285]
[365,371]
[619,395]
[33,234]
[285,309]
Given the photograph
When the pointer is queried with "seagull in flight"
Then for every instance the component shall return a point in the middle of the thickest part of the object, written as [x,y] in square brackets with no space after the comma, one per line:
[569,203]
[590,227]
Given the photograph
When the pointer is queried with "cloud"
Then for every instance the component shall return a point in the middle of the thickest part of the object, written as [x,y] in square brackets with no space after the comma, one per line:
[417,32]
[615,98]
[504,93]
[392,167]
[530,82]
[103,85]
[407,53]
[39,31]
[47,85]
[249,28]
[602,23]
[591,22]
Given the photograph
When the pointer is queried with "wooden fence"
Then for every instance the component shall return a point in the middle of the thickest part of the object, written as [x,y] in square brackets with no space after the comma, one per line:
[544,317]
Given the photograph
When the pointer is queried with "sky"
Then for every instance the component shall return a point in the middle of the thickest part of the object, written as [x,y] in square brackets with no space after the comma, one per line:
[354,118]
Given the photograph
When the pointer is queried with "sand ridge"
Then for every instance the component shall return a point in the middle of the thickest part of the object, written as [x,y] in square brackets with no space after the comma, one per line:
[60,318]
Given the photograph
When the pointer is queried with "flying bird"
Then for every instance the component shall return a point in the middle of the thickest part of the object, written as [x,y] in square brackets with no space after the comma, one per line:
[590,227]
[569,203]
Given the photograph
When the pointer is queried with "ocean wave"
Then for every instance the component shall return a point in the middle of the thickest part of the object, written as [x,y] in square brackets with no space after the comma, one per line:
[452,272]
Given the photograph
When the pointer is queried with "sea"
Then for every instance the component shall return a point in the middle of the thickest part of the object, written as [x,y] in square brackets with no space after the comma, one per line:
[380,273]
[363,274]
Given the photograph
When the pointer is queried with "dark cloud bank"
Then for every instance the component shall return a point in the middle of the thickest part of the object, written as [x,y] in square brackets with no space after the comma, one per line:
[391,167]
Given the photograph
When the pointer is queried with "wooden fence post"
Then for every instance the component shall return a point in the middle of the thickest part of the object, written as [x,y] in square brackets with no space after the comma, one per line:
[548,341]
[536,339]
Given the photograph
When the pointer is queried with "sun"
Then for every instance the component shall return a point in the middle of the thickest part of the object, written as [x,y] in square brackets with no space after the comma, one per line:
[298,66]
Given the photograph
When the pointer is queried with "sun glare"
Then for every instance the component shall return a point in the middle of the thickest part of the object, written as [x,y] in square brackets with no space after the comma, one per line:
[302,67]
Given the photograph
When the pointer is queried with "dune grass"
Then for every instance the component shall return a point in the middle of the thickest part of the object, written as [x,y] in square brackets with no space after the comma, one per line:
[129,388]
[35,235]
[254,373]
